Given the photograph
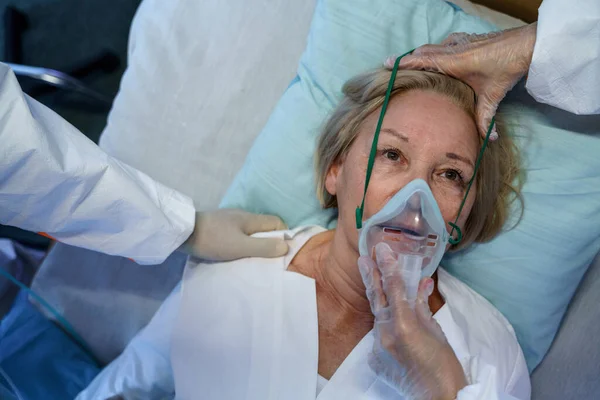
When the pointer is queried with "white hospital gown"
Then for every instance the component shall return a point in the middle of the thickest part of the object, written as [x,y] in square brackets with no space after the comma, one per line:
[248,329]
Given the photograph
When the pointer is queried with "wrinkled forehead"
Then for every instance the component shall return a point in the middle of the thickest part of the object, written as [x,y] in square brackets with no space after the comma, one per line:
[426,119]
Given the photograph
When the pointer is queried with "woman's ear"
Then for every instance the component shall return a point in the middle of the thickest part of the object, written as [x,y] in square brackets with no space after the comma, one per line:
[331,179]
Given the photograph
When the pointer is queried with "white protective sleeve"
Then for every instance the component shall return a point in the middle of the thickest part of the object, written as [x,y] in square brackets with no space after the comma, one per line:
[485,383]
[143,371]
[565,69]
[55,180]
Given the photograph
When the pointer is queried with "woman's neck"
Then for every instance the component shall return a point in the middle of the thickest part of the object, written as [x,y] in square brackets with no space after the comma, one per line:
[330,259]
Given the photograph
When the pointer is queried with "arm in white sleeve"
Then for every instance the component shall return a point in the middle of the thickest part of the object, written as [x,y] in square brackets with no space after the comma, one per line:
[565,68]
[485,382]
[54,180]
[143,370]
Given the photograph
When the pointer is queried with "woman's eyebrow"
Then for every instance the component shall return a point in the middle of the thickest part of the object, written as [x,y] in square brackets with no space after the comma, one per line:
[454,156]
[395,133]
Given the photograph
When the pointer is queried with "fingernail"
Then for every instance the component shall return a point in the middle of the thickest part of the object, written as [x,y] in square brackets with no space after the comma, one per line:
[429,287]
[389,62]
[383,252]
[363,268]
[494,134]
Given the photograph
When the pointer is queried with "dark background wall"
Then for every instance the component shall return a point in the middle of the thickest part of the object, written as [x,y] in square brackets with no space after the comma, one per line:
[65,34]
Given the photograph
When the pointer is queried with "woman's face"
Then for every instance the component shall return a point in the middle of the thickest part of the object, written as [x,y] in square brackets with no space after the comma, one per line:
[424,135]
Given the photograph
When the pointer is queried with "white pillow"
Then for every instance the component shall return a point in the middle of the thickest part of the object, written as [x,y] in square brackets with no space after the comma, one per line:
[202,79]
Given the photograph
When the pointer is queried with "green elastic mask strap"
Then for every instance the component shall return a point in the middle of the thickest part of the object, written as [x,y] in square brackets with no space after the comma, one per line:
[454,225]
[388,93]
[373,153]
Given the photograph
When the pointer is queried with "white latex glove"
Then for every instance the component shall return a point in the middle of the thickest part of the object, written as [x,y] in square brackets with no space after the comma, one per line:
[410,351]
[490,63]
[224,234]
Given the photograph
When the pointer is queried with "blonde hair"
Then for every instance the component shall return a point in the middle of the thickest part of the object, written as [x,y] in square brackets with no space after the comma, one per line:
[364,95]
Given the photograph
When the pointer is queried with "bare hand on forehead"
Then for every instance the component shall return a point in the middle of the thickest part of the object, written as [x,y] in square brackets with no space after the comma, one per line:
[490,63]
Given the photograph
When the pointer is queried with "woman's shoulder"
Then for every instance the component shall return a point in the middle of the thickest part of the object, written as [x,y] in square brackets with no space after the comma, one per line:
[250,267]
[481,333]
[465,301]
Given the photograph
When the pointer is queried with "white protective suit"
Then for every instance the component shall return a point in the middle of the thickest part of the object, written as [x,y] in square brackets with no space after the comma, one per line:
[565,69]
[248,329]
[55,180]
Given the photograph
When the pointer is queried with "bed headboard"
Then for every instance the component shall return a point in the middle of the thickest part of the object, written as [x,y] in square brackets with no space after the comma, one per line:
[525,10]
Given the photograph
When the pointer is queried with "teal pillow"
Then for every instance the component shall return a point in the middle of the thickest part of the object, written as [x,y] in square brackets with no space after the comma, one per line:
[528,273]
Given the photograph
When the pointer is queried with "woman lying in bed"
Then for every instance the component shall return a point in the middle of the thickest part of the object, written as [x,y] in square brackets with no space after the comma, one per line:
[300,327]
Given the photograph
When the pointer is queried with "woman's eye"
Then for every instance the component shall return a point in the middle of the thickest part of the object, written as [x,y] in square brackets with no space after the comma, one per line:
[453,175]
[392,155]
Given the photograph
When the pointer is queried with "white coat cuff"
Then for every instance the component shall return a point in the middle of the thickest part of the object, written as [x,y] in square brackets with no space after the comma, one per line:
[565,68]
[181,214]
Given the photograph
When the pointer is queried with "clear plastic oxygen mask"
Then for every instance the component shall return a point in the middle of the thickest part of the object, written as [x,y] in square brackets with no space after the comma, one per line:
[412,226]
[411,223]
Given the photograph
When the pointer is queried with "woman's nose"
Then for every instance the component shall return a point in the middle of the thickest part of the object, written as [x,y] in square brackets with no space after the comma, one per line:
[417,173]
[414,202]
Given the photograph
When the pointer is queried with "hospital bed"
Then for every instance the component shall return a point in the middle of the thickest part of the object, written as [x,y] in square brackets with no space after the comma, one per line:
[263,51]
